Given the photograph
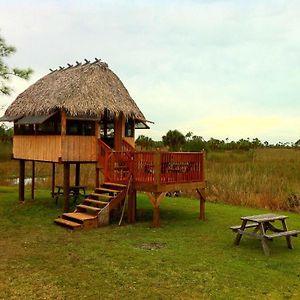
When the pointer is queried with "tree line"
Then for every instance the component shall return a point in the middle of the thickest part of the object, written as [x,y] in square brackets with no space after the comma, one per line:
[6,134]
[174,140]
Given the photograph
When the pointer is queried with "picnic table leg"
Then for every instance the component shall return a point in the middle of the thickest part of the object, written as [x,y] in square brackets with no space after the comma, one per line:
[288,238]
[264,241]
[265,246]
[238,235]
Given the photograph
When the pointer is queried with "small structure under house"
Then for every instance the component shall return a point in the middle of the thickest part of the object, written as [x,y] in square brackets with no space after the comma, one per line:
[83,114]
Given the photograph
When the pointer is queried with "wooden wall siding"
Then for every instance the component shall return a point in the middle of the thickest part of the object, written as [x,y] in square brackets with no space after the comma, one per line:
[78,148]
[44,148]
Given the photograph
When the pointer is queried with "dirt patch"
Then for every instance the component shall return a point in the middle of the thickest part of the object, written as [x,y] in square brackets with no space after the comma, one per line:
[152,246]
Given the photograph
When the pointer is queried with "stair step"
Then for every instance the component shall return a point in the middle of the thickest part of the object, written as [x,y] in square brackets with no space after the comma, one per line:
[88,207]
[101,189]
[78,216]
[101,195]
[117,185]
[97,202]
[67,223]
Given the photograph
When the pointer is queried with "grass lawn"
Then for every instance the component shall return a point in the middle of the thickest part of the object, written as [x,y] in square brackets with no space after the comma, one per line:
[183,259]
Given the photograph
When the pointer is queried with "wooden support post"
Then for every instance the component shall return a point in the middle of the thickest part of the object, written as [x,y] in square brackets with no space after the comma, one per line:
[66,186]
[155,199]
[119,132]
[53,180]
[156,220]
[63,123]
[201,193]
[21,180]
[33,180]
[131,209]
[77,174]
[97,176]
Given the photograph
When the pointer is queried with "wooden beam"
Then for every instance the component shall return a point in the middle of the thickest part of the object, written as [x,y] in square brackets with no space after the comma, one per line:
[66,186]
[202,197]
[97,176]
[53,180]
[21,180]
[131,209]
[119,132]
[63,123]
[155,199]
[77,174]
[32,180]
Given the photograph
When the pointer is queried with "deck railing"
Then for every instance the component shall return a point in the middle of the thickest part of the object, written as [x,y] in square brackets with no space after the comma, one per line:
[181,167]
[157,168]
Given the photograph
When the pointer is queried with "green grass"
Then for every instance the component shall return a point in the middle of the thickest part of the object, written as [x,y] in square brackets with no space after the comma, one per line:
[190,259]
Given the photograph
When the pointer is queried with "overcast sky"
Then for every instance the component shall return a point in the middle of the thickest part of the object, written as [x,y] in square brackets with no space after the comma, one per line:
[216,68]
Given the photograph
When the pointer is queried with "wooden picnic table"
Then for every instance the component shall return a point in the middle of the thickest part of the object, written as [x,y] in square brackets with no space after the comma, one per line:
[75,191]
[264,230]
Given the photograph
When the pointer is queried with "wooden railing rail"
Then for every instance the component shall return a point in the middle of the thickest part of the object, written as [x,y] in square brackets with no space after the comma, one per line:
[126,147]
[103,157]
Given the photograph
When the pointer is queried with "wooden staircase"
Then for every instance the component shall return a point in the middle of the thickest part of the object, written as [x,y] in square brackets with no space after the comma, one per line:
[96,208]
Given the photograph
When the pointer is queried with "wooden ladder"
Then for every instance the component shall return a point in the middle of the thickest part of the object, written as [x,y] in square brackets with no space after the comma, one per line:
[96,208]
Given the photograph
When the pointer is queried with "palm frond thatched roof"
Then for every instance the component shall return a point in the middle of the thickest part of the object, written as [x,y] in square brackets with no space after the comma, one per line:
[88,89]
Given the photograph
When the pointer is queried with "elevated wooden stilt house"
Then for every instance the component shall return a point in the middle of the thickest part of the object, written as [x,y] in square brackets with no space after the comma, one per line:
[84,114]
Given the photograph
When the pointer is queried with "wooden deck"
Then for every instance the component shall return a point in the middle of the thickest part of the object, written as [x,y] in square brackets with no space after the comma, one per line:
[154,171]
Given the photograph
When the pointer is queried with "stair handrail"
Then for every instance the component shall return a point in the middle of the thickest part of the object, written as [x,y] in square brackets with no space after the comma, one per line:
[126,197]
[127,147]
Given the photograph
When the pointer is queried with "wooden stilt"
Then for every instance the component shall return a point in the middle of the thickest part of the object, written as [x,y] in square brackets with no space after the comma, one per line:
[156,220]
[155,199]
[201,193]
[77,174]
[32,180]
[53,180]
[21,180]
[66,186]
[131,215]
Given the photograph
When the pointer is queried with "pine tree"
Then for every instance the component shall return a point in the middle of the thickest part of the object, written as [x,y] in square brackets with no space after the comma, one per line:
[6,72]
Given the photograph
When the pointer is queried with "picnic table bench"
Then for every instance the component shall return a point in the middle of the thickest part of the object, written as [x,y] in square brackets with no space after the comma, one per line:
[262,224]
[74,191]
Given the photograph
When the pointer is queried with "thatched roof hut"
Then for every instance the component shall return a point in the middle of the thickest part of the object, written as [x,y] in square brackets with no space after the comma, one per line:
[83,90]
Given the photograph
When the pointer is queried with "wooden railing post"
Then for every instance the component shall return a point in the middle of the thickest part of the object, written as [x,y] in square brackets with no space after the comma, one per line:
[202,166]
[157,167]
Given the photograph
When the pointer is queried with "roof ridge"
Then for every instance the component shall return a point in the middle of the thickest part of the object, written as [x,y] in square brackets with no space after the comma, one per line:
[85,63]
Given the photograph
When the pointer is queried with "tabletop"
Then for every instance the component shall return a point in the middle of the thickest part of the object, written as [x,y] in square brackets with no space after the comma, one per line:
[264,218]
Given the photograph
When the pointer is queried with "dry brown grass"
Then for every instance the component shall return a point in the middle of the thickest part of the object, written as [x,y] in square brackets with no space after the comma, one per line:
[266,178]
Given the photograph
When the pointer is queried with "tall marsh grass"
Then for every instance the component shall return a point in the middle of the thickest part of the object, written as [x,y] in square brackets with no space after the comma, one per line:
[266,178]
